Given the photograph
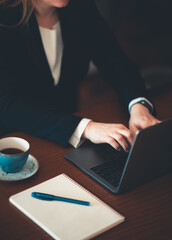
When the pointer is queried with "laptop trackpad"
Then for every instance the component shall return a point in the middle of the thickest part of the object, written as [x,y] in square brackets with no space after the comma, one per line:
[91,155]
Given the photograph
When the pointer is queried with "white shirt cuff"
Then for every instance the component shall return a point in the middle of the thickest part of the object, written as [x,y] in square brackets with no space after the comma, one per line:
[136,100]
[76,139]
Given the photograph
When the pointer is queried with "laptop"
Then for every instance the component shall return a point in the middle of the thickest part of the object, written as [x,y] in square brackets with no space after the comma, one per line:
[150,157]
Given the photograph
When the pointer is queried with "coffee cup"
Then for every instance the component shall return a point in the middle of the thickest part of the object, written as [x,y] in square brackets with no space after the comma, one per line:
[14,152]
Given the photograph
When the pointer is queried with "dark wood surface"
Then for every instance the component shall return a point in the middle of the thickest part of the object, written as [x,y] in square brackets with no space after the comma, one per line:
[148,208]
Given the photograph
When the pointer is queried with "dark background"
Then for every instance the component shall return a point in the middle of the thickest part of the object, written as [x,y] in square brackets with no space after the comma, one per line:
[144,31]
[143,27]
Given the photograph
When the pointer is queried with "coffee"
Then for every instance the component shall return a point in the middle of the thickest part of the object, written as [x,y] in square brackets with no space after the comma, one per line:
[14,153]
[11,151]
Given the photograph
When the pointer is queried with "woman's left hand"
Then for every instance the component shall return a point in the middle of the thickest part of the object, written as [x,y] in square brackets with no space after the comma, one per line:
[140,118]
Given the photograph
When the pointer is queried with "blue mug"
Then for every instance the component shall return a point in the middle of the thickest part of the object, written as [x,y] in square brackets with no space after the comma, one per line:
[14,152]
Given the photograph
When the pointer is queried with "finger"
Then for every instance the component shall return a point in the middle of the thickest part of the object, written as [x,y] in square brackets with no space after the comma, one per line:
[113,143]
[121,140]
[146,122]
[127,134]
[134,128]
[156,121]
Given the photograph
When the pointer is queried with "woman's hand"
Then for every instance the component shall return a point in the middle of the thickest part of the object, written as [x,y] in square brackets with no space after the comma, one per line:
[140,118]
[116,135]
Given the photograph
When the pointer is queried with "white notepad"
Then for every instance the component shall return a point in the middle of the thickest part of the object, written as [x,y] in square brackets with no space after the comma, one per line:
[67,221]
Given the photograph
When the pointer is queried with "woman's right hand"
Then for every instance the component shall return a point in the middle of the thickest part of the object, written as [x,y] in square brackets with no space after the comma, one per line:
[117,135]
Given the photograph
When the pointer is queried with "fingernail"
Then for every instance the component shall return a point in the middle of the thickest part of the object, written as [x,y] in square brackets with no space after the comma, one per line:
[127,149]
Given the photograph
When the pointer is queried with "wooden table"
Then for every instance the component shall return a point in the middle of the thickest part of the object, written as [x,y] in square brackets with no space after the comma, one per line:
[148,208]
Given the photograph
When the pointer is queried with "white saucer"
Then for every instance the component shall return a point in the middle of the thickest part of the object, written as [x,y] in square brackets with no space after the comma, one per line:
[29,169]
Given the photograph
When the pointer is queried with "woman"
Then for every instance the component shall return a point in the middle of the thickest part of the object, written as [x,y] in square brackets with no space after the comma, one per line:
[45,47]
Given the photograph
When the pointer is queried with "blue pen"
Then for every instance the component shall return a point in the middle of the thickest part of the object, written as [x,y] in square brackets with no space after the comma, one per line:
[48,197]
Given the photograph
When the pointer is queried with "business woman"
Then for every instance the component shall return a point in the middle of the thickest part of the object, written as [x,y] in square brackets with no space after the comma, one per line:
[45,50]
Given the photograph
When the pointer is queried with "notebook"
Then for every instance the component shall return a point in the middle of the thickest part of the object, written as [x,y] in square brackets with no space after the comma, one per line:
[67,221]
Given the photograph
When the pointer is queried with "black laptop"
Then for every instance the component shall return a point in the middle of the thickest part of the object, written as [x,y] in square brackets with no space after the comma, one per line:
[150,156]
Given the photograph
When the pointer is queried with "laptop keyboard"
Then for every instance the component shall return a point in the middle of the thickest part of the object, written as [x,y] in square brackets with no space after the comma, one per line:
[111,170]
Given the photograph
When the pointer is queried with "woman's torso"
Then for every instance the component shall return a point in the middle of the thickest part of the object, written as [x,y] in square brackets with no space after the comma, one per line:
[24,67]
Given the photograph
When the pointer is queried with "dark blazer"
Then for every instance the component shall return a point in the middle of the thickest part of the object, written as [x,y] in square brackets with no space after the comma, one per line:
[29,101]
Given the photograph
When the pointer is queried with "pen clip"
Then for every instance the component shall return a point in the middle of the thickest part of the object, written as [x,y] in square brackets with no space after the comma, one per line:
[42,196]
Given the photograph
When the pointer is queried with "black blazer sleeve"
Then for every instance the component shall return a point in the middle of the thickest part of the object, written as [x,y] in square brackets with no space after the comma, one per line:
[18,114]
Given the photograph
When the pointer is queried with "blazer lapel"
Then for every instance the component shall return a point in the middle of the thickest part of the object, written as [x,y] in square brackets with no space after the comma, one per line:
[68,48]
[33,42]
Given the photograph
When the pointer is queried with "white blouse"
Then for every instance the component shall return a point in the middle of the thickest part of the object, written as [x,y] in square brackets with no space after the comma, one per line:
[53,46]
